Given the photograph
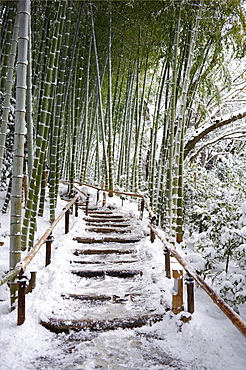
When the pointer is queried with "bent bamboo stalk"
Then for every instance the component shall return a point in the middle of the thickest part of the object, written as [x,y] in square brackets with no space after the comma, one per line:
[225,308]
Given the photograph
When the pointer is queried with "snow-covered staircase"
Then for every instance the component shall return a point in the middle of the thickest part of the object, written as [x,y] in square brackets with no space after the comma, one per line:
[111,285]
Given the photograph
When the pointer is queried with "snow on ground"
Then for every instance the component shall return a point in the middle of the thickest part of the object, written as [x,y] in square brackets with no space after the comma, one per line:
[208,341]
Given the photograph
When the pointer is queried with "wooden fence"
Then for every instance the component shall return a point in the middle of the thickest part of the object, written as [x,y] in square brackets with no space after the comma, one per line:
[169,250]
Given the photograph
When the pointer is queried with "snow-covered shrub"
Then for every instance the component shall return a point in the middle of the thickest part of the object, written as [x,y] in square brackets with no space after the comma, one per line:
[232,288]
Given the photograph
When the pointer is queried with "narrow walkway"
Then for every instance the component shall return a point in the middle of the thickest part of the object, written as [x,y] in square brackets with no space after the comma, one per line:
[110,286]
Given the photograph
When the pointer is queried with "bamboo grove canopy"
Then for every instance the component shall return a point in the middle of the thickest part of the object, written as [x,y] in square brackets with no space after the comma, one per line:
[112,92]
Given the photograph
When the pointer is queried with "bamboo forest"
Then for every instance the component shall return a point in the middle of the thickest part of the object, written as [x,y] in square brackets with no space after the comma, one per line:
[139,97]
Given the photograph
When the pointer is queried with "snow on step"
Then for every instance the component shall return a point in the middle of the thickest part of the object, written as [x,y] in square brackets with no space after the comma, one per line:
[109,224]
[104,219]
[101,229]
[91,240]
[106,215]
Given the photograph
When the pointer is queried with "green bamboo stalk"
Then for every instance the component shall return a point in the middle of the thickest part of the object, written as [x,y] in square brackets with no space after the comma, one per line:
[29,103]
[59,120]
[178,169]
[134,180]
[173,103]
[155,127]
[8,92]
[74,129]
[38,200]
[62,165]
[42,192]
[7,30]
[123,159]
[41,141]
[102,123]
[7,197]
[18,159]
[41,54]
[110,118]
[85,120]
[76,112]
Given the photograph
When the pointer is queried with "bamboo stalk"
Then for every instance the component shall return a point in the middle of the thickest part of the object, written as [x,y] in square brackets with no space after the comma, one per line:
[8,91]
[18,159]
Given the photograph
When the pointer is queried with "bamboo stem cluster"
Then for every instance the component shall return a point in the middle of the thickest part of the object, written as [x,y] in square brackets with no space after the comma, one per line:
[105,93]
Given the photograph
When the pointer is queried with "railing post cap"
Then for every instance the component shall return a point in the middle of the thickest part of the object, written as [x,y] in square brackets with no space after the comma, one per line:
[50,238]
[22,279]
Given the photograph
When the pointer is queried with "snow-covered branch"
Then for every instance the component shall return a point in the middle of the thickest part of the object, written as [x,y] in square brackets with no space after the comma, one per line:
[208,128]
[227,135]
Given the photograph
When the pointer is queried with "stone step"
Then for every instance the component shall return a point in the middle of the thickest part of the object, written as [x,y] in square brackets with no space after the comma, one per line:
[110,224]
[106,230]
[77,252]
[105,219]
[59,326]
[103,273]
[96,211]
[92,240]
[104,262]
[106,216]
[99,298]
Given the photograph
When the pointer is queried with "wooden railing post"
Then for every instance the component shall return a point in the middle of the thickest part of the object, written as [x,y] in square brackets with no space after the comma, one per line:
[21,314]
[76,208]
[189,281]
[104,199]
[32,282]
[167,263]
[152,234]
[98,193]
[67,221]
[87,205]
[177,297]
[49,241]
[141,209]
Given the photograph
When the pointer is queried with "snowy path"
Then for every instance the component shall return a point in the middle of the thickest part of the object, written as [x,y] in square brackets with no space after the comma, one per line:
[208,341]
[109,281]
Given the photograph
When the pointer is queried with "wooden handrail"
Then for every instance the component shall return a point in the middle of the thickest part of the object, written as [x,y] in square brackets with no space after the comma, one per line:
[22,265]
[108,191]
[225,308]
[147,206]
